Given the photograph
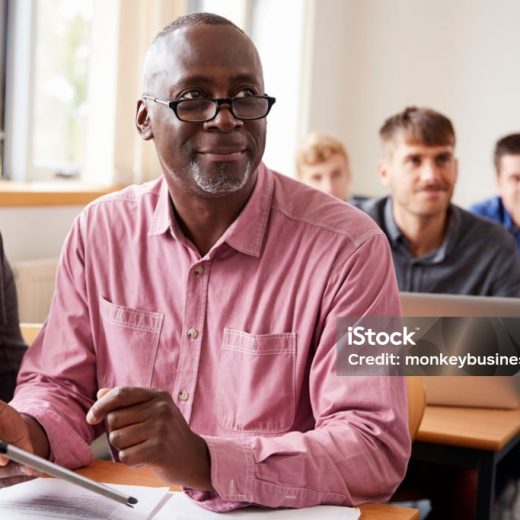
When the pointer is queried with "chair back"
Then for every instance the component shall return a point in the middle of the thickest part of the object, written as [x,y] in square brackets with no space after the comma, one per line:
[416,403]
[30,331]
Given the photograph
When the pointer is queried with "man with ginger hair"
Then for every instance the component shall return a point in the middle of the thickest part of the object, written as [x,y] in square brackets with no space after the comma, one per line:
[436,246]
[322,162]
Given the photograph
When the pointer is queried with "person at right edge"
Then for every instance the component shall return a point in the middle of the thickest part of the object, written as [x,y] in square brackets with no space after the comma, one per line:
[504,208]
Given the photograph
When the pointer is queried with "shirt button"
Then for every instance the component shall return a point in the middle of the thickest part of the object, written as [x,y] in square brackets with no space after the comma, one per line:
[183,395]
[192,333]
[198,270]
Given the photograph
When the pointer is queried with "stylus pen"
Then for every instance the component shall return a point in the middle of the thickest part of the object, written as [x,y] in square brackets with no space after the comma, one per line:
[33,461]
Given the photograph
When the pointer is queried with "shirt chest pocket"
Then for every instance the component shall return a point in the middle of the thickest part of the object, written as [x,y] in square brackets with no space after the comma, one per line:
[256,382]
[127,345]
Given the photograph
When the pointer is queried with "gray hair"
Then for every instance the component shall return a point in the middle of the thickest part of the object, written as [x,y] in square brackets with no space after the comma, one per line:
[190,20]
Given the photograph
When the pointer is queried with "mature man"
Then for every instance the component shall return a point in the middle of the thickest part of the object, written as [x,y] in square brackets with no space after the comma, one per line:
[436,246]
[204,305]
[505,208]
[12,346]
[322,162]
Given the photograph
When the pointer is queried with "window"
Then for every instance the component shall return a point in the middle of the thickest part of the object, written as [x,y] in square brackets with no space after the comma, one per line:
[73,76]
[61,92]
[61,53]
[47,95]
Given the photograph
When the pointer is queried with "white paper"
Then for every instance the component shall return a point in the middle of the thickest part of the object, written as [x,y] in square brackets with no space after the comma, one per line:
[46,498]
[49,498]
[181,507]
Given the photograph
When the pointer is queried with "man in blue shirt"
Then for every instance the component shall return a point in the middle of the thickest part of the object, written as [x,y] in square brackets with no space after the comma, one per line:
[505,208]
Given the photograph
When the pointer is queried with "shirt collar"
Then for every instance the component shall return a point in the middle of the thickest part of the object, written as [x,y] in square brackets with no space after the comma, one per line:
[394,233]
[505,216]
[163,218]
[452,231]
[246,233]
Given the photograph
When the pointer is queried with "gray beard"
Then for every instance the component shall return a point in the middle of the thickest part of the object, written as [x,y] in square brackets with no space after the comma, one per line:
[221,182]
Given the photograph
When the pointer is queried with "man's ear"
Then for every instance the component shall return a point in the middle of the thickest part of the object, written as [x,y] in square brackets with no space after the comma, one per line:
[382,170]
[142,121]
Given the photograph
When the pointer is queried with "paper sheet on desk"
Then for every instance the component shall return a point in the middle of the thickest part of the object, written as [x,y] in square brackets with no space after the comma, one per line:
[46,498]
[180,507]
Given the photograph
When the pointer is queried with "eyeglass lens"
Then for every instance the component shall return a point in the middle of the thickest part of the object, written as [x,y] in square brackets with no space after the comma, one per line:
[205,109]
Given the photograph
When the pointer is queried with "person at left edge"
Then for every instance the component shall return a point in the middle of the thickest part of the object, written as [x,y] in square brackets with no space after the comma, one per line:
[12,346]
[207,300]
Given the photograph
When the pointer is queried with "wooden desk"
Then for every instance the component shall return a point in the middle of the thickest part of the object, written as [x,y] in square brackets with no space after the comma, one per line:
[105,471]
[474,438]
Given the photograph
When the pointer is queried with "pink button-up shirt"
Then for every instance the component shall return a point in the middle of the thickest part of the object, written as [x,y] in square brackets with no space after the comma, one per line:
[243,338]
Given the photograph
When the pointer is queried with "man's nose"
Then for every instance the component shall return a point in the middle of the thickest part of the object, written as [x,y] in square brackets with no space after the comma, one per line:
[430,172]
[224,121]
[328,185]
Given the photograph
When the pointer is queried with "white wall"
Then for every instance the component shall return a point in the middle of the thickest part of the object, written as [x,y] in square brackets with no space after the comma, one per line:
[32,233]
[372,58]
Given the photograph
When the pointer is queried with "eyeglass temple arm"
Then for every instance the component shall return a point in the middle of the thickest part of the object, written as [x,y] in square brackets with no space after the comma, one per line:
[157,100]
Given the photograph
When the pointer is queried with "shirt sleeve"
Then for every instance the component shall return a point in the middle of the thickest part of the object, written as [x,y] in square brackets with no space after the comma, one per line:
[57,380]
[359,448]
[505,269]
[12,346]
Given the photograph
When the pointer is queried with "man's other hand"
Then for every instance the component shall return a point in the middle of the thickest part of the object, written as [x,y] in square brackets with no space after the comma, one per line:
[14,430]
[147,429]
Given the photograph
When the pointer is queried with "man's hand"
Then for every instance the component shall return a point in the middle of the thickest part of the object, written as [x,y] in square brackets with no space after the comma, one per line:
[147,429]
[14,429]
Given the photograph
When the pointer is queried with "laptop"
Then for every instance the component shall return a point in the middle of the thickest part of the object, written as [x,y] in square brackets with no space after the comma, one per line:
[476,391]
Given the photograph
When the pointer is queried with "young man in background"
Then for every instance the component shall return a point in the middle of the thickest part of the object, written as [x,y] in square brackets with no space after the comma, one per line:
[322,162]
[436,246]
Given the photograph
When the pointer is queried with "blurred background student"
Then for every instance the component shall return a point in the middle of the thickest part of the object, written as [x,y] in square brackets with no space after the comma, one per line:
[322,162]
[504,208]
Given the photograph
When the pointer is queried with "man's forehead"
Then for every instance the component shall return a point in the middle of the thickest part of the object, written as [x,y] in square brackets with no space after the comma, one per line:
[195,49]
[510,163]
[404,146]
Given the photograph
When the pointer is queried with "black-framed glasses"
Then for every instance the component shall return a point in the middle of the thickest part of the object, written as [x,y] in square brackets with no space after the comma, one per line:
[201,110]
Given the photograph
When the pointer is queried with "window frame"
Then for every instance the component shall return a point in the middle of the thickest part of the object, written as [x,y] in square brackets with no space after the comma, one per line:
[18,88]
[3,74]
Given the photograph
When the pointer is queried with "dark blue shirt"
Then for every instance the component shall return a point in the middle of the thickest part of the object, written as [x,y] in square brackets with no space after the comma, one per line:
[494,209]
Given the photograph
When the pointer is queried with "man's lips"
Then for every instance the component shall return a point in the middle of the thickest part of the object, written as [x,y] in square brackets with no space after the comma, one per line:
[432,189]
[222,154]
